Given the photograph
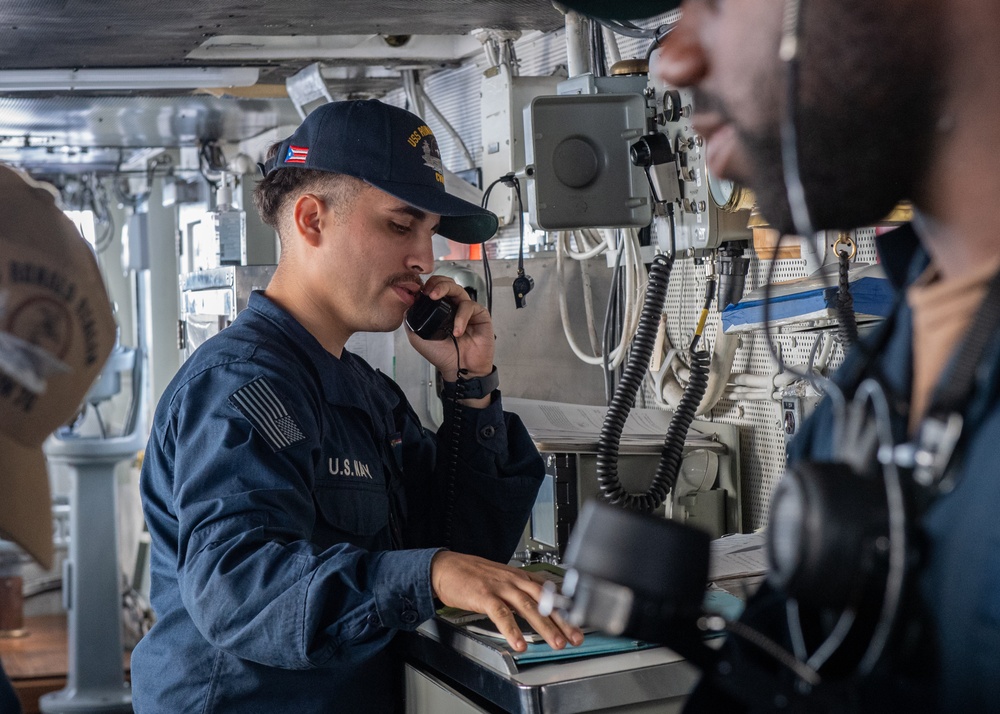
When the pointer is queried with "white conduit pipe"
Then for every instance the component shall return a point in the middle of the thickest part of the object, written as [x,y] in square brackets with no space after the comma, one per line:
[577,44]
[426,100]
[410,89]
[588,307]
[490,48]
[611,42]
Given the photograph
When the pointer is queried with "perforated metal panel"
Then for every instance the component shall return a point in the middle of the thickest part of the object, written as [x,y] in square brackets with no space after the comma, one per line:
[762,440]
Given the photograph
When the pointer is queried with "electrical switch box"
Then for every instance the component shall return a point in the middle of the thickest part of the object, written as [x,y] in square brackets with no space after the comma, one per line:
[579,169]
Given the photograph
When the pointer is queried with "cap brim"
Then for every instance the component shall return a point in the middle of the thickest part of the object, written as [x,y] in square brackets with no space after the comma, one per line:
[461,221]
[621,9]
[26,506]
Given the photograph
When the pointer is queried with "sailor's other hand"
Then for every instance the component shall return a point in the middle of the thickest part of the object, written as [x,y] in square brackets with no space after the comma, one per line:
[498,591]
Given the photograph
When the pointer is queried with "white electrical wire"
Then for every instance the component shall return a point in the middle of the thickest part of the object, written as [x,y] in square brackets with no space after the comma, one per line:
[764,387]
[635,287]
[825,352]
[590,243]
[586,254]
[773,381]
[670,381]
[593,244]
[561,240]
[634,276]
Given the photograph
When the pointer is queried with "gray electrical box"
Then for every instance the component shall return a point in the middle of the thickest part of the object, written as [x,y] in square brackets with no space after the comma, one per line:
[589,84]
[579,170]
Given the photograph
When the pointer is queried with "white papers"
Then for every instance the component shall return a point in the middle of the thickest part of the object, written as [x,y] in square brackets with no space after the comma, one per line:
[737,556]
[557,426]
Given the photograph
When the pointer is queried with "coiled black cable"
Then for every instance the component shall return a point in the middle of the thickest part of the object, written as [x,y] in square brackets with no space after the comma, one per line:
[847,320]
[455,439]
[672,453]
[628,387]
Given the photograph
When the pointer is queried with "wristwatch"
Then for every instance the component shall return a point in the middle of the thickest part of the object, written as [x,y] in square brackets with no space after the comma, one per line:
[473,387]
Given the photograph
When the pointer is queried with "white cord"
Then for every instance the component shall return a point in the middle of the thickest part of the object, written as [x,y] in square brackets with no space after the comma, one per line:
[834,641]
[670,382]
[564,309]
[795,629]
[759,387]
[490,49]
[635,278]
[744,394]
[589,247]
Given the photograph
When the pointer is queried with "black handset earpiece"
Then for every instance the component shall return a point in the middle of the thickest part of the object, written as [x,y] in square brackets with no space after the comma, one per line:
[431,319]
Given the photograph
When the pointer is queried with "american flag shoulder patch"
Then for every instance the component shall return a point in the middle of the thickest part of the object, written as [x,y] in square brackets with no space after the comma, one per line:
[259,403]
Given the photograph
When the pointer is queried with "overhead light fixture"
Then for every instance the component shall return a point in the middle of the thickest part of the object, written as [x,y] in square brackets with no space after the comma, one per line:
[125,78]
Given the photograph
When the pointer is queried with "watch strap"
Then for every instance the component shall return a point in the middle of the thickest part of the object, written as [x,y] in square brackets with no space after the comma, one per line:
[473,387]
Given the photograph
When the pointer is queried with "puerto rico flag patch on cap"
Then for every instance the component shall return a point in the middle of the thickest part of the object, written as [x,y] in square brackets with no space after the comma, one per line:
[296,154]
[259,403]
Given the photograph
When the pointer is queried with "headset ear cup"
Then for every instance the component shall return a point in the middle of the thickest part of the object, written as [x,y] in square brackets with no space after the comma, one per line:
[654,569]
[828,535]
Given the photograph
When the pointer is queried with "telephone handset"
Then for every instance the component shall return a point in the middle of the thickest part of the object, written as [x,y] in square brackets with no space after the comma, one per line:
[431,319]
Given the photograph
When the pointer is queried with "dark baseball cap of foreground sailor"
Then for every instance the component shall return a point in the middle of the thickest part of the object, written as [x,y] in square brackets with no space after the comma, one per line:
[621,9]
[56,331]
[389,148]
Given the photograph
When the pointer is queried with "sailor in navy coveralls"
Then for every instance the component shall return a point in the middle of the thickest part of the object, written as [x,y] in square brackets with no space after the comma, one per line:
[296,506]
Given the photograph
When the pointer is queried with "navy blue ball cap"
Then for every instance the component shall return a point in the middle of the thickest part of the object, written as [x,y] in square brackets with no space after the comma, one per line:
[621,9]
[390,148]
